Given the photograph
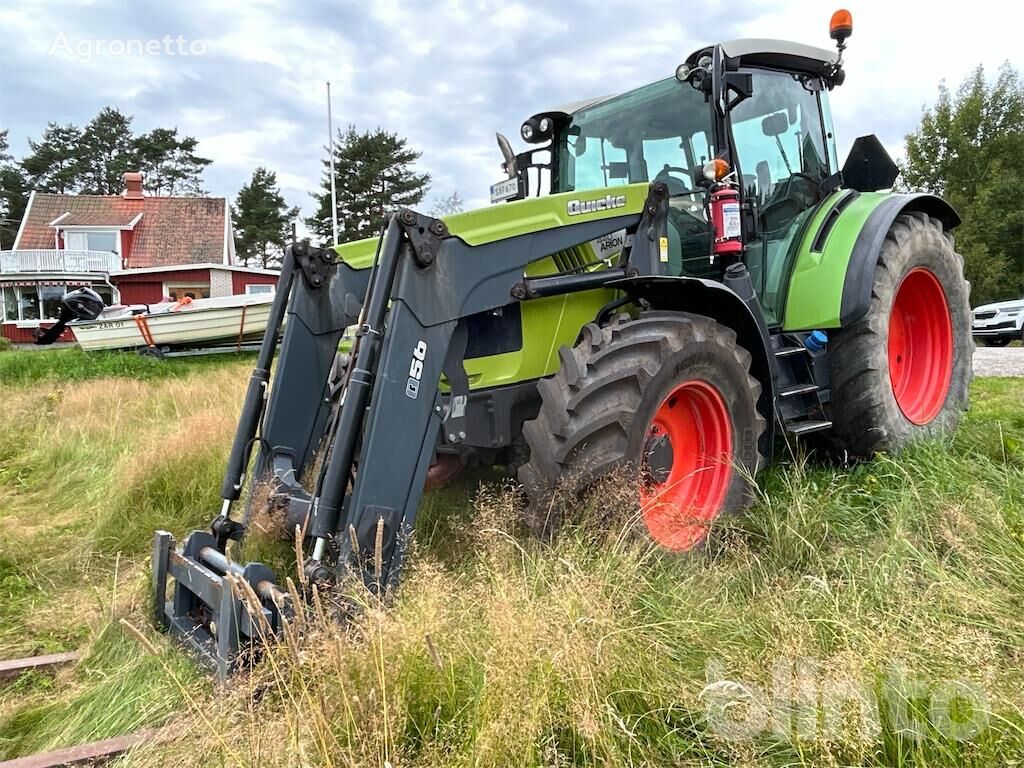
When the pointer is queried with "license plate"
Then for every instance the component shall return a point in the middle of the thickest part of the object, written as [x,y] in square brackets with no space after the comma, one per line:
[505,190]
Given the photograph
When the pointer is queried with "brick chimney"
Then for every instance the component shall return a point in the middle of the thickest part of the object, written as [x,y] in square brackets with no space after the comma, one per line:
[133,185]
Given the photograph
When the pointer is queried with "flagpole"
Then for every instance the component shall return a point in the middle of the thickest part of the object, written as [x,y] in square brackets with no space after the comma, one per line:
[330,152]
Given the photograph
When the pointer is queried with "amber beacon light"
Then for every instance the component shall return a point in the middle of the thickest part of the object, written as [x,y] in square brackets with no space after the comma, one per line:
[841,26]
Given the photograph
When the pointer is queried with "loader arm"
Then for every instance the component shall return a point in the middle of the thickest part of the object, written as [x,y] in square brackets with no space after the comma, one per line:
[423,282]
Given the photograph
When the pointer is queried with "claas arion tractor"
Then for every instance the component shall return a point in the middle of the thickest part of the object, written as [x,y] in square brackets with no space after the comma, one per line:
[694,280]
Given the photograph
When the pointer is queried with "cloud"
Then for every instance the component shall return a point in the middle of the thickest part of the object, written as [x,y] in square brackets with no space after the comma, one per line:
[444,74]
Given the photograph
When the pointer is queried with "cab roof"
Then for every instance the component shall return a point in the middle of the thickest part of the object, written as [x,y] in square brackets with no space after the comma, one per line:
[752,51]
[780,54]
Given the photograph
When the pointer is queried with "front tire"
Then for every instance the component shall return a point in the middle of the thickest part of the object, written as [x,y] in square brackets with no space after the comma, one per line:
[668,394]
[902,371]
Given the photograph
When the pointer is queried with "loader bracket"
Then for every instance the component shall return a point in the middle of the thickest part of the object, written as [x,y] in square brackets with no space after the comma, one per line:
[454,370]
[424,234]
[315,263]
[217,609]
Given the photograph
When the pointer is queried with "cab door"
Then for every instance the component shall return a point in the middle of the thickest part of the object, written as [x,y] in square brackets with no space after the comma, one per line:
[783,153]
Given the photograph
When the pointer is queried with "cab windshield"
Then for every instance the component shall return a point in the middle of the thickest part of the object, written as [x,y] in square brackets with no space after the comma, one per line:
[660,132]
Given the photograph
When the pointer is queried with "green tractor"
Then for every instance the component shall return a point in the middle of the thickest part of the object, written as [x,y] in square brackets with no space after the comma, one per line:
[697,281]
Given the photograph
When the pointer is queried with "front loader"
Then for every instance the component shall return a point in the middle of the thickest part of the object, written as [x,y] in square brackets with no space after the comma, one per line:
[700,281]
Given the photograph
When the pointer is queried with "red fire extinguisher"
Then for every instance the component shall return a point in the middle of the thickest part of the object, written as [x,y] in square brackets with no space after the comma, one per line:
[725,221]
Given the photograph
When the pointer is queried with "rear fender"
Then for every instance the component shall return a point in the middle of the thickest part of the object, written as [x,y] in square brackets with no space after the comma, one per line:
[722,304]
[860,271]
[830,281]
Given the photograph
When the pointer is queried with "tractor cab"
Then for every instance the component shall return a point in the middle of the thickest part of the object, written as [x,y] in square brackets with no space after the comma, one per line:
[761,106]
[660,132]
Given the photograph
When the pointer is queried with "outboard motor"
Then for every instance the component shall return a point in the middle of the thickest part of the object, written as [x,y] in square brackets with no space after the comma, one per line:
[80,304]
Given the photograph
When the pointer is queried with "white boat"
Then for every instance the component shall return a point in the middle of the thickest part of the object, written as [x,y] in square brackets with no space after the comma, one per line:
[187,324]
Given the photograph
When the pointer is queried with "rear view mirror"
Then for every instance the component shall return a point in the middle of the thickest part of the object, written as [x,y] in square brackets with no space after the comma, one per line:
[775,124]
[509,157]
[618,170]
[579,147]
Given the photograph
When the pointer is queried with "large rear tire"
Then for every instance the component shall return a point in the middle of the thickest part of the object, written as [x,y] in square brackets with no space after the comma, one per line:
[901,372]
[668,395]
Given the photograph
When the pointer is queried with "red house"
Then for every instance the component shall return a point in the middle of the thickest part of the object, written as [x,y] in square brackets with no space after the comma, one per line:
[131,249]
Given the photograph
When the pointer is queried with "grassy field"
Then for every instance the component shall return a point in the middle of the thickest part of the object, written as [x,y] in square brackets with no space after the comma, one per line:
[866,615]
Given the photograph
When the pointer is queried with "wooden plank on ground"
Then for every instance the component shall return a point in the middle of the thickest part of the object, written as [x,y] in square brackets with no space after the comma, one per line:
[15,667]
[83,753]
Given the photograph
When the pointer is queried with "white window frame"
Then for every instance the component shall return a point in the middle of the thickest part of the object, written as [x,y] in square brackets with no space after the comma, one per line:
[69,231]
[20,319]
[166,286]
[3,304]
[30,323]
[263,289]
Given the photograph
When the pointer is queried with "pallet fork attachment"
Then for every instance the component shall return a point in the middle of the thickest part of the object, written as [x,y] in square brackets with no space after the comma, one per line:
[357,519]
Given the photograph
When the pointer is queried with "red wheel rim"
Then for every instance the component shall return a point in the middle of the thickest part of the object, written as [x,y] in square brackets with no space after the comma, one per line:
[920,346]
[687,465]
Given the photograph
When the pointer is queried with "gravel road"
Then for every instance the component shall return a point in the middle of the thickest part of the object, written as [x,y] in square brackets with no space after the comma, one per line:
[995,361]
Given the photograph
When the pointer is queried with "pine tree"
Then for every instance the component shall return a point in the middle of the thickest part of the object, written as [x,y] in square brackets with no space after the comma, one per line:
[374,178]
[54,164]
[262,220]
[107,152]
[170,165]
[969,148]
[13,195]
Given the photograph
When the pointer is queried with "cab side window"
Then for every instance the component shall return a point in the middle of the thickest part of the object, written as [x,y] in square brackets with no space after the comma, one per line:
[781,146]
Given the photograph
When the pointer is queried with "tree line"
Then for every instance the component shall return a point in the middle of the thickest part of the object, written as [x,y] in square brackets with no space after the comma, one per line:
[375,170]
[969,148]
[375,175]
[68,159]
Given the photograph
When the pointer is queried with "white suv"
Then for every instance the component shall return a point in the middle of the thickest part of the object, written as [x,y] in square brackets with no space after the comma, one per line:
[996,325]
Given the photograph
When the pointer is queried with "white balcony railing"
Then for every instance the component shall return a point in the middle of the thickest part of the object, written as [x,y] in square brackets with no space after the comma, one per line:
[54,260]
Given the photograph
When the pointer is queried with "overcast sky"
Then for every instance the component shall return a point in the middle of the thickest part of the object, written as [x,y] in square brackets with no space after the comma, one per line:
[247,78]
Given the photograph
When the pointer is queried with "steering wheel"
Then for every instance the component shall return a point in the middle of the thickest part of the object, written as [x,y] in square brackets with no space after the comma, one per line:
[675,186]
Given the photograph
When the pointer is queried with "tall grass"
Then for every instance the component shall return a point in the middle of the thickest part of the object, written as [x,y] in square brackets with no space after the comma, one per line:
[89,469]
[895,586]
